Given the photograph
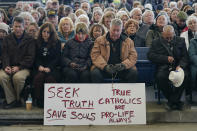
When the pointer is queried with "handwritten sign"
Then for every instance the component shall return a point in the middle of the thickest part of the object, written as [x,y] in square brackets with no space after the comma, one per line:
[94,104]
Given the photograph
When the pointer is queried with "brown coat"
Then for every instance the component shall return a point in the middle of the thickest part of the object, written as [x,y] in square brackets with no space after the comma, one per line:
[21,54]
[101,52]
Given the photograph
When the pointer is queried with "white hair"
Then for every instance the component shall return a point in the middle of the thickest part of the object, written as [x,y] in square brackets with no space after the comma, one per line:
[86,2]
[133,11]
[120,14]
[148,11]
[81,17]
[149,6]
[173,3]
[168,28]
[25,15]
[191,18]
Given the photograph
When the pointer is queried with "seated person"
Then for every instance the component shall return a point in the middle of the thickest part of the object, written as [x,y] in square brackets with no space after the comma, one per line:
[76,59]
[193,62]
[169,53]
[17,58]
[114,54]
[48,53]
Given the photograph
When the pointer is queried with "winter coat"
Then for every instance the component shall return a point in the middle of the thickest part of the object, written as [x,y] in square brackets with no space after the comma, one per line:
[48,56]
[22,54]
[179,30]
[101,52]
[77,52]
[159,52]
[152,34]
[193,60]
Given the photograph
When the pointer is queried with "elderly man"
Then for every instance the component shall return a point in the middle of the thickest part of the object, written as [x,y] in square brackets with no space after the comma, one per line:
[169,53]
[114,55]
[18,52]
[85,5]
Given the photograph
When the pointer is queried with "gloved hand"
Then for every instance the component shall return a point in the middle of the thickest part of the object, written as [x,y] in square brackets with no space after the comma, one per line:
[119,67]
[109,69]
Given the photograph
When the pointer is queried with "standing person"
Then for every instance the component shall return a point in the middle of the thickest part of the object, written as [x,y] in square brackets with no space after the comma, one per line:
[48,52]
[76,59]
[169,53]
[114,54]
[18,57]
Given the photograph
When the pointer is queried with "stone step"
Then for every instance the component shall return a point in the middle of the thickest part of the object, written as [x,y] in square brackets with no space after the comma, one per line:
[155,114]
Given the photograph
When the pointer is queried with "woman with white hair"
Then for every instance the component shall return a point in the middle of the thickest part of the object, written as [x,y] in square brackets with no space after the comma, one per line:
[123,16]
[192,29]
[83,18]
[156,29]
[148,6]
[148,17]
[97,15]
[173,4]
[28,18]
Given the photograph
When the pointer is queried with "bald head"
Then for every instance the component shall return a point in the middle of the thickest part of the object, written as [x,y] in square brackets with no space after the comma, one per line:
[168,33]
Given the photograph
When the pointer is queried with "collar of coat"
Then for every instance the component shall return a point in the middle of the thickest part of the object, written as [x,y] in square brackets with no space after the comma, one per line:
[122,38]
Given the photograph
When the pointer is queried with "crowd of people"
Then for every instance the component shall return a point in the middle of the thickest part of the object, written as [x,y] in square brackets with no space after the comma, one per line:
[84,43]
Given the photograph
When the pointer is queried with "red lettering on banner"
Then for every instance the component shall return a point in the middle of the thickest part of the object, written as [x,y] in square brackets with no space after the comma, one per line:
[74,104]
[119,107]
[118,92]
[49,90]
[80,116]
[56,114]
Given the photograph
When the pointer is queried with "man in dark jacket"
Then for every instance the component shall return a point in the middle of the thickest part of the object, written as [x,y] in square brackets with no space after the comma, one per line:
[180,23]
[169,53]
[18,52]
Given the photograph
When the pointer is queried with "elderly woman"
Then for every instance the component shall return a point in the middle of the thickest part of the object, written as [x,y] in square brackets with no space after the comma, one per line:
[65,30]
[33,29]
[168,11]
[148,17]
[106,20]
[48,52]
[80,12]
[28,18]
[97,15]
[173,14]
[123,16]
[156,29]
[36,15]
[193,62]
[76,59]
[192,29]
[83,18]
[73,17]
[131,27]
[96,30]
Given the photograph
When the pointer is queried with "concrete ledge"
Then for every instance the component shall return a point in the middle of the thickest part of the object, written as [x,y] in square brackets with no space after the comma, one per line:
[155,114]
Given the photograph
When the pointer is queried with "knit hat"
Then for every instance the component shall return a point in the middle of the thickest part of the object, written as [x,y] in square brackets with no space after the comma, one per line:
[4,27]
[182,15]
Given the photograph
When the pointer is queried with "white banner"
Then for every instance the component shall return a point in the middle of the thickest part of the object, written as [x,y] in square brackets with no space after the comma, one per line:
[94,104]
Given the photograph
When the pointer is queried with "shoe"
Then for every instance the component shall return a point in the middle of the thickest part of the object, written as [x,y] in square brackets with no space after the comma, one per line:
[179,105]
[11,105]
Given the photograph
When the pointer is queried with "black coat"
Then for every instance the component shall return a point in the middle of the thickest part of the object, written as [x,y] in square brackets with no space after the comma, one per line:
[48,56]
[77,52]
[159,52]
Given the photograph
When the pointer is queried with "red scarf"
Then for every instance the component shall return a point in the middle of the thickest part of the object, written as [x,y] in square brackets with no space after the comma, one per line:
[77,39]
